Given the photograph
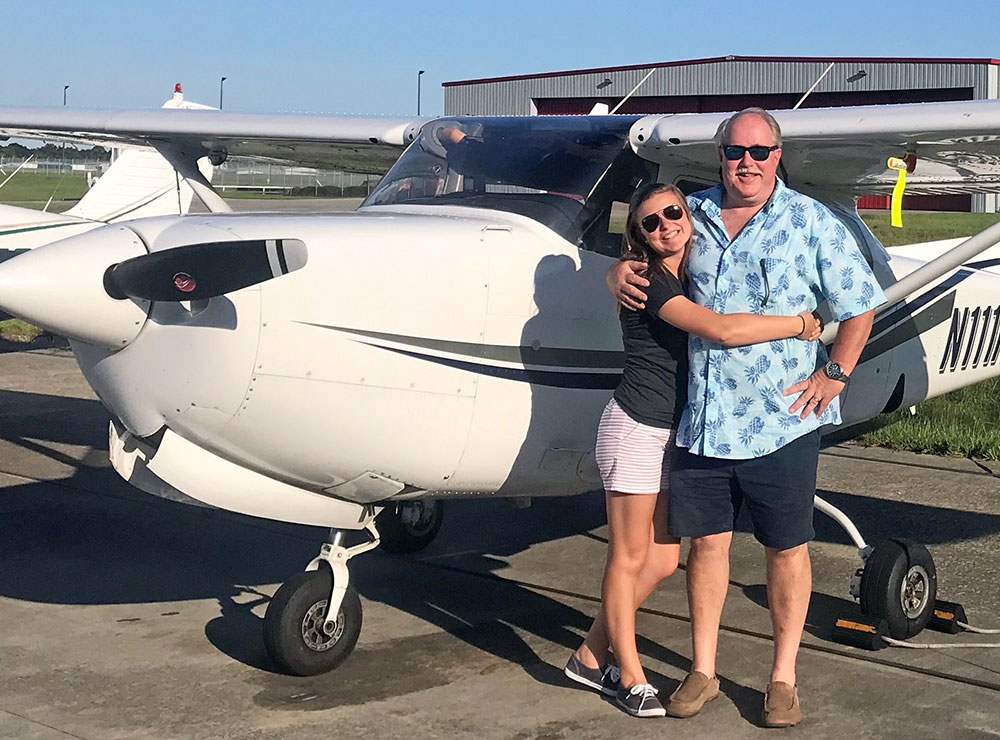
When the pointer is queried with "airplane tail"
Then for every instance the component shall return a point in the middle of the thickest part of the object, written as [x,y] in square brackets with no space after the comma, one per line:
[140,182]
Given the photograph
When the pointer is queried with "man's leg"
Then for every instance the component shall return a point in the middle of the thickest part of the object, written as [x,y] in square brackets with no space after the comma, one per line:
[707,584]
[789,585]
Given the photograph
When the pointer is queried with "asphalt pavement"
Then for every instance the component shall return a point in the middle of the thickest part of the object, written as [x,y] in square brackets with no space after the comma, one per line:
[128,616]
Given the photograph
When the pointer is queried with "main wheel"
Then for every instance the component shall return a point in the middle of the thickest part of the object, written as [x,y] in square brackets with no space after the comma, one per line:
[409,526]
[899,584]
[294,632]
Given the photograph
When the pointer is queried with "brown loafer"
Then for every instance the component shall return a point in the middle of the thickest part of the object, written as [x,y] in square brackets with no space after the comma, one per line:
[781,705]
[688,699]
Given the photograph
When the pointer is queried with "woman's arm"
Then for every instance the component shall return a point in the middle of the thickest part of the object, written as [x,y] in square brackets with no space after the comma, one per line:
[736,329]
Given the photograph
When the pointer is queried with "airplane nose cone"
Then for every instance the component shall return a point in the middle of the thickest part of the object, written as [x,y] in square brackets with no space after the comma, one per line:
[60,287]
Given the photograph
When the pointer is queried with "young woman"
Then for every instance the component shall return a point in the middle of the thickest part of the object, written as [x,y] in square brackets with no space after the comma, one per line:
[635,438]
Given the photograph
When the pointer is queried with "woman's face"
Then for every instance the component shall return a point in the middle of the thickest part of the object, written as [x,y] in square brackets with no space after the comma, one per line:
[666,236]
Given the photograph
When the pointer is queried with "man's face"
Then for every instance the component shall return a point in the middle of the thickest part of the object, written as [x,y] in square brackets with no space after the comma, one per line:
[747,181]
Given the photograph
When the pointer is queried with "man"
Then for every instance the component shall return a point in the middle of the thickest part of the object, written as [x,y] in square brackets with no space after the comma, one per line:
[753,414]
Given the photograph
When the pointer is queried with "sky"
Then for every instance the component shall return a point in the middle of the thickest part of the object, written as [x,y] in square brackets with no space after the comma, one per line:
[332,57]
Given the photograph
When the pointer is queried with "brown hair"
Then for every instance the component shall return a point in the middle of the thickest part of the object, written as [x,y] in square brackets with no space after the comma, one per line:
[635,246]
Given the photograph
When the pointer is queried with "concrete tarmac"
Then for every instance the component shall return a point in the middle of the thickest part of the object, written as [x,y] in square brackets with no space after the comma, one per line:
[127,616]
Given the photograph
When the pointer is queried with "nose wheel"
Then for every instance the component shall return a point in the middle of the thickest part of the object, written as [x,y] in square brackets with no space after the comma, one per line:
[297,635]
[313,621]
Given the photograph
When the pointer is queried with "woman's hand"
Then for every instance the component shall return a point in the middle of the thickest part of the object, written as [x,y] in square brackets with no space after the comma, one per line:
[812,327]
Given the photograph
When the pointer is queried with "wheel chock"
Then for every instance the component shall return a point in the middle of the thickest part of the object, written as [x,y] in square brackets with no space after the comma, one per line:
[861,632]
[946,616]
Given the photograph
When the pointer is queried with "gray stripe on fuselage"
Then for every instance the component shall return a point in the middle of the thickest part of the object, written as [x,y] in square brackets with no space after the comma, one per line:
[542,357]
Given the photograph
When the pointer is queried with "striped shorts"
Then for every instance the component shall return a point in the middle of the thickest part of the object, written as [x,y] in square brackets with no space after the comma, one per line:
[633,457]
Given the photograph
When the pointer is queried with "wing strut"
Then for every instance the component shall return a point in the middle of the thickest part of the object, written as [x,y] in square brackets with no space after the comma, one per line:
[187,167]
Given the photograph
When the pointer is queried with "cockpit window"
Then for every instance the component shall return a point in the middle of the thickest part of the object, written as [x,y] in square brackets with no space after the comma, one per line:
[564,172]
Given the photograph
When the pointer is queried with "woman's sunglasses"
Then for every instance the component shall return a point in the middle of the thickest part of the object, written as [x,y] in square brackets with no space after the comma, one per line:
[652,222]
[757,153]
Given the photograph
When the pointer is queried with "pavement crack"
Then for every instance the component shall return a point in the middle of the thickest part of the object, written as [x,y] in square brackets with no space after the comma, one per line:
[42,724]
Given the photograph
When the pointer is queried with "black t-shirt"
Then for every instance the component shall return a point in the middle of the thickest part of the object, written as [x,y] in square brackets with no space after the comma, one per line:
[653,389]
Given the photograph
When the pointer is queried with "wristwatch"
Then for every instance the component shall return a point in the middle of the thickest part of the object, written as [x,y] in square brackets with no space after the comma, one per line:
[835,372]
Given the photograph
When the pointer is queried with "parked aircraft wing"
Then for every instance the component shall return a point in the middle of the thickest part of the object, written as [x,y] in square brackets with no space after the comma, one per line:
[956,146]
[350,143]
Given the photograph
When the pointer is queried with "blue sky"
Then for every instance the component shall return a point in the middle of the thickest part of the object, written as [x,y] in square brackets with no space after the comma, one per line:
[363,57]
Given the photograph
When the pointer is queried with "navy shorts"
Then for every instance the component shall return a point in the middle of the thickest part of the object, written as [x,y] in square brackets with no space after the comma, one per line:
[778,490]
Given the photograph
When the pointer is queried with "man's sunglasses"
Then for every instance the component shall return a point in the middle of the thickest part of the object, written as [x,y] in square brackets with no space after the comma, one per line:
[757,153]
[652,222]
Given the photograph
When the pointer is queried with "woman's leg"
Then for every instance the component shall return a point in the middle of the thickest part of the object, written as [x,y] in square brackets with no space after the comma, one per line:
[630,518]
[661,561]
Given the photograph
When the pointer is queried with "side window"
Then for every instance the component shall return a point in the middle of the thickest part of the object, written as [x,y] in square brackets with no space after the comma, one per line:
[619,214]
[602,223]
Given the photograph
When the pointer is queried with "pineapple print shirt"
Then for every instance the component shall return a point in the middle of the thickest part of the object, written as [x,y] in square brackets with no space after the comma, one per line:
[790,257]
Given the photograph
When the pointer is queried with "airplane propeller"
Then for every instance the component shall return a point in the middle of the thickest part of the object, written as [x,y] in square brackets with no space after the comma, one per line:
[201,271]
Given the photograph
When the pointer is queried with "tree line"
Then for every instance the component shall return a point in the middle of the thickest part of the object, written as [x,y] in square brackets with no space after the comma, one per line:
[53,152]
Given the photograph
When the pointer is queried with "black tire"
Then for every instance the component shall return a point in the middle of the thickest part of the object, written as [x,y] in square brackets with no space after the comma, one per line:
[293,633]
[899,585]
[401,534]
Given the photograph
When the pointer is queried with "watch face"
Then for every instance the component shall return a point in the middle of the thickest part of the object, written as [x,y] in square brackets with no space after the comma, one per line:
[834,371]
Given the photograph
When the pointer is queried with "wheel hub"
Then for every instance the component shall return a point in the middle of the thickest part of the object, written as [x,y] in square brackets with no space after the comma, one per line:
[914,591]
[417,517]
[317,634]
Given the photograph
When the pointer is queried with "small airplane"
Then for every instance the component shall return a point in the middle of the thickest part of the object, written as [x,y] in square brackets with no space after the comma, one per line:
[454,337]
[139,183]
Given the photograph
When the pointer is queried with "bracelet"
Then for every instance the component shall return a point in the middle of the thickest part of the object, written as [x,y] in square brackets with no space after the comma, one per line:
[803,324]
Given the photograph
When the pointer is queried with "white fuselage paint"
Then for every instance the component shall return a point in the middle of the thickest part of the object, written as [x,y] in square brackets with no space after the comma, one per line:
[399,352]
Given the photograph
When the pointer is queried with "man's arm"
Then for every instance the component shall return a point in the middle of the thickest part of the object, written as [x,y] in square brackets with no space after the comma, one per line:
[625,283]
[818,390]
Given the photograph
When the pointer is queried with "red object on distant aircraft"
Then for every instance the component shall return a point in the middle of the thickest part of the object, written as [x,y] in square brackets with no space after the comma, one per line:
[177,87]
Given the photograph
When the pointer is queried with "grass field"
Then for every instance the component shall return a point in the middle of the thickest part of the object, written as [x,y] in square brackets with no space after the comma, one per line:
[925,226]
[37,186]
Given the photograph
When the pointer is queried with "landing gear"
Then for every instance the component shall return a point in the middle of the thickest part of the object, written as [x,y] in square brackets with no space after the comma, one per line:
[409,526]
[314,619]
[899,585]
[298,637]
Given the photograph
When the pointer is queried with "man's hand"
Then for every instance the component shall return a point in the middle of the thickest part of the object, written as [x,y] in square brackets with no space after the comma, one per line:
[625,282]
[817,391]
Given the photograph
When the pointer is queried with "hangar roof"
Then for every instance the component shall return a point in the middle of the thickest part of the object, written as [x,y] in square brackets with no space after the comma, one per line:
[731,58]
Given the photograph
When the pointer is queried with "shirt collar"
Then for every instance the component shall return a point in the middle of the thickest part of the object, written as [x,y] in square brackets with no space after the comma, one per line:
[711,204]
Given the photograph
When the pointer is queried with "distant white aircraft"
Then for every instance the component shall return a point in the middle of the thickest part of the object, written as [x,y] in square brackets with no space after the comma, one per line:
[453,337]
[139,183]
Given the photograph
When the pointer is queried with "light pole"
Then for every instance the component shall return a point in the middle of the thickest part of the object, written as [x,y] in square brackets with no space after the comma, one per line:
[223,79]
[419,74]
[65,88]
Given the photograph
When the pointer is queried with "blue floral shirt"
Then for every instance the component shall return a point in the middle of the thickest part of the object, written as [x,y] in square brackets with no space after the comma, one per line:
[790,257]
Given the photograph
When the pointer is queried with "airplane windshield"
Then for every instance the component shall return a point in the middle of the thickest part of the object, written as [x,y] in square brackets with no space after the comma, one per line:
[564,172]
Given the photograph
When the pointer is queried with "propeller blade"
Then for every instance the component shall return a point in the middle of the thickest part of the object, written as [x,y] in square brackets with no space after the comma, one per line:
[201,271]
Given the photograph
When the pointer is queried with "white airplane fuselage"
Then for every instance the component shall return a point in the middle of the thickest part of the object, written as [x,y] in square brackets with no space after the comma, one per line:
[422,351]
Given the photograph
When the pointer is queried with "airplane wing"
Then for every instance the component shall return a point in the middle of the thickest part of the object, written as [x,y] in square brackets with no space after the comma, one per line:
[349,143]
[956,144]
